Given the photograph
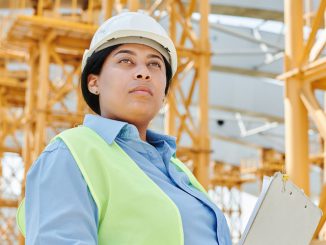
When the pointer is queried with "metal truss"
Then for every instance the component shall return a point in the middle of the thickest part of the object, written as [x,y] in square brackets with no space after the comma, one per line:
[304,73]
[47,98]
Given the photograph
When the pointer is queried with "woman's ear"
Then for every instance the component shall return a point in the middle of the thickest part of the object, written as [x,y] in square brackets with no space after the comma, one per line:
[92,84]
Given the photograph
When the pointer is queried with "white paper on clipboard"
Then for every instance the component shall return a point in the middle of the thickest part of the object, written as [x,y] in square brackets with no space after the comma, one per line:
[283,215]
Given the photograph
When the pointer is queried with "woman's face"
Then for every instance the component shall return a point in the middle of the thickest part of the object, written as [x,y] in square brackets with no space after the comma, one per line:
[131,84]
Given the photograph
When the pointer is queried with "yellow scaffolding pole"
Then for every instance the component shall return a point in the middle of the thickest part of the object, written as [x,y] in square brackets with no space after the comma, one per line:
[296,117]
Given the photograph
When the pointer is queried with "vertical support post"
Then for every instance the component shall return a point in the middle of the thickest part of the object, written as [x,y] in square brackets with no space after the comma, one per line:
[74,8]
[29,130]
[30,105]
[296,116]
[43,93]
[133,5]
[90,10]
[170,118]
[40,8]
[201,167]
[107,7]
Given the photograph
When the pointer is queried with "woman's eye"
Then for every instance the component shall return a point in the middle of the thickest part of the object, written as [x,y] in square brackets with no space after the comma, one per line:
[127,61]
[155,64]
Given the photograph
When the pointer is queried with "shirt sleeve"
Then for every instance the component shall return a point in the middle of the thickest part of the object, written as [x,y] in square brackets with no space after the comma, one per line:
[59,206]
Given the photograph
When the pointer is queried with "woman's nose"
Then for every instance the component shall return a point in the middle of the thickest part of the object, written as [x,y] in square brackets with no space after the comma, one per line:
[142,73]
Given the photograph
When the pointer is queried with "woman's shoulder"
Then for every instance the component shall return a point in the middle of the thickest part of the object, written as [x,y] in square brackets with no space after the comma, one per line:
[55,145]
[56,153]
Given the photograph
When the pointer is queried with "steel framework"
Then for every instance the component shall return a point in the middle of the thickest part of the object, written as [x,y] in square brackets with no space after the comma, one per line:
[304,73]
[51,43]
[37,104]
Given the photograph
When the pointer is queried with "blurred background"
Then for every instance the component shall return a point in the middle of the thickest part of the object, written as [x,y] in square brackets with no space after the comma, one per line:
[247,100]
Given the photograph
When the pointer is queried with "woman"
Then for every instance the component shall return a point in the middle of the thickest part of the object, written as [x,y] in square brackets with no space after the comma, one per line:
[112,180]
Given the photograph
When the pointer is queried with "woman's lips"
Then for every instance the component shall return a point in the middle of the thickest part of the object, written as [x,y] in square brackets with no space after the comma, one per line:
[141,90]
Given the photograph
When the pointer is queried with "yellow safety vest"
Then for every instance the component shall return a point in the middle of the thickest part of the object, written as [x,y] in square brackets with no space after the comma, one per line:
[132,209]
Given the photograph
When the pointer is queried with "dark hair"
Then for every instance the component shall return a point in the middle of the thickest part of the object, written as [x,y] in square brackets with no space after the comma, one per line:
[94,66]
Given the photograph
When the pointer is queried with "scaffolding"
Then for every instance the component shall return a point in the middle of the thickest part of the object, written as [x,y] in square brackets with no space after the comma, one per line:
[47,96]
[43,98]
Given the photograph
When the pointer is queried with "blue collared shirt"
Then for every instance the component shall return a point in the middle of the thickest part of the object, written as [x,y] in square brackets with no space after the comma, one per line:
[61,210]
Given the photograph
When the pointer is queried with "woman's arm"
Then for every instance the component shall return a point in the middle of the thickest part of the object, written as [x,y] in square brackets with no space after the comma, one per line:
[59,206]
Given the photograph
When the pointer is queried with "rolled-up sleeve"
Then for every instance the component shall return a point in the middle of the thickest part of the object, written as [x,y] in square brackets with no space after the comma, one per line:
[59,206]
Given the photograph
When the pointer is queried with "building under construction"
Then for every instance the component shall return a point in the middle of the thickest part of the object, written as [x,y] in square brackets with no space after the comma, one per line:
[247,100]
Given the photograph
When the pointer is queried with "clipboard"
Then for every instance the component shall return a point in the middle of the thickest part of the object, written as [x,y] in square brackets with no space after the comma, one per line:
[283,215]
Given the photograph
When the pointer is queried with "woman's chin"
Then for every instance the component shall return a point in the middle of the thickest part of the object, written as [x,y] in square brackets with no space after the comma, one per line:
[143,109]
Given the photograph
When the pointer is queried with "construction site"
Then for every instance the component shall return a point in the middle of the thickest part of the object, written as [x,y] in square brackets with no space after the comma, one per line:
[247,99]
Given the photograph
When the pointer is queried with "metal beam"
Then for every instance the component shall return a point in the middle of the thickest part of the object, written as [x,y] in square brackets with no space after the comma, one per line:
[242,71]
[247,12]
[7,81]
[250,38]
[250,12]
[8,203]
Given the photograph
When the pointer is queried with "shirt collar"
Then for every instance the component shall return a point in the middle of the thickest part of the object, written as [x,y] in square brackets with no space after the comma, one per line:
[110,129]
[156,139]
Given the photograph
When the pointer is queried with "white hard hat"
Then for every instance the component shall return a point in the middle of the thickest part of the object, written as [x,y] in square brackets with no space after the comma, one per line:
[133,27]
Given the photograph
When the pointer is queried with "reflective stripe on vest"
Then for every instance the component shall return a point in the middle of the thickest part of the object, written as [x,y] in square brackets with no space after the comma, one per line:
[132,209]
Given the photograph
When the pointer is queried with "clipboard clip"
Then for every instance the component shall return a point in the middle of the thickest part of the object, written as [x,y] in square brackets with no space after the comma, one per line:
[285,178]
